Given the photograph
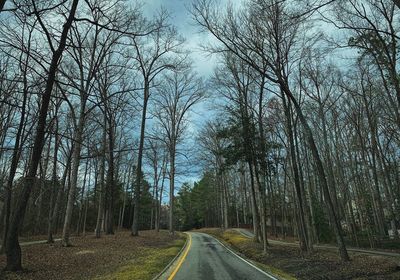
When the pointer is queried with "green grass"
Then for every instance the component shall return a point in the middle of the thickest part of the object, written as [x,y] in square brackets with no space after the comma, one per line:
[151,262]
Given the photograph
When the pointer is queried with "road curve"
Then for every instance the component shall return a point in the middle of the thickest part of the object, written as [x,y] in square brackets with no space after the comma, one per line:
[208,259]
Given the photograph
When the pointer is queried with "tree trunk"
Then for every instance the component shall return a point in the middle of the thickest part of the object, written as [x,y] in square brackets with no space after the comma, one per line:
[321,174]
[304,244]
[76,154]
[171,189]
[254,205]
[99,221]
[13,249]
[14,165]
[164,171]
[110,180]
[82,202]
[135,222]
[54,212]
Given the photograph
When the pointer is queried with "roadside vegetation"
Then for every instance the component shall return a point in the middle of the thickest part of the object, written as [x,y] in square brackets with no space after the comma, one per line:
[117,256]
[290,263]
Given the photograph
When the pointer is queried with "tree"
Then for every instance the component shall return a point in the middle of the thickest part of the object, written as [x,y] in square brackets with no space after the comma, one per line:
[181,90]
[154,54]
[270,42]
[13,250]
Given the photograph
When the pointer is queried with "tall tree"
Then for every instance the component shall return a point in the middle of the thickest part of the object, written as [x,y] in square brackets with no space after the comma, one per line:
[181,90]
[13,249]
[154,54]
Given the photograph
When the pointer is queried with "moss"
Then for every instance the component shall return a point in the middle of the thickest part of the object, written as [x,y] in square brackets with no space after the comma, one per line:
[151,262]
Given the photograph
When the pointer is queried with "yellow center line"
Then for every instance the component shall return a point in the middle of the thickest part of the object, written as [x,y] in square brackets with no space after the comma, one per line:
[182,259]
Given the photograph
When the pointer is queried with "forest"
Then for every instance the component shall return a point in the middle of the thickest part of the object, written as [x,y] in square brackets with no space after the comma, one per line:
[293,130]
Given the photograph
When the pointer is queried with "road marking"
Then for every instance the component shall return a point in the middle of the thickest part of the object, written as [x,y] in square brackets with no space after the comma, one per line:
[182,259]
[249,263]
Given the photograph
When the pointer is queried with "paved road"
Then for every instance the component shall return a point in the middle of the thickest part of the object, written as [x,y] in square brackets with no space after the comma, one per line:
[249,234]
[207,259]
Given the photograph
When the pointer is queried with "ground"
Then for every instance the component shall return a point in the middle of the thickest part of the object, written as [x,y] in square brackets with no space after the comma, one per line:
[118,256]
[289,263]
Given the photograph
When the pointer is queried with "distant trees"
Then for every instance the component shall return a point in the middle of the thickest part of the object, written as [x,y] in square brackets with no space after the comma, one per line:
[195,205]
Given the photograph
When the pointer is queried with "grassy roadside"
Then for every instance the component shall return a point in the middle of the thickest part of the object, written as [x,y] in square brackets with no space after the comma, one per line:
[236,241]
[148,265]
[118,256]
[288,262]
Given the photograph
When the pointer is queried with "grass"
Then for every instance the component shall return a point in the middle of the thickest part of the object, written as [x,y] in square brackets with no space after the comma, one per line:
[246,246]
[118,256]
[239,241]
[288,262]
[147,266]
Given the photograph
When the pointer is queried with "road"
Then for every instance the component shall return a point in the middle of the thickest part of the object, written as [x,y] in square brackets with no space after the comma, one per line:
[249,234]
[208,259]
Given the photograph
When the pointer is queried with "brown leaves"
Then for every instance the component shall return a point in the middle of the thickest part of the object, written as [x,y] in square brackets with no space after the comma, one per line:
[89,257]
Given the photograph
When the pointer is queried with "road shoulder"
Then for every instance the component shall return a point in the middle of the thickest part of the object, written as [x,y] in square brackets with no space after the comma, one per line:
[174,265]
[288,262]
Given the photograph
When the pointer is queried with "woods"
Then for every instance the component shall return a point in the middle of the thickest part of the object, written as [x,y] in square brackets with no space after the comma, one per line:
[66,121]
[109,124]
[306,130]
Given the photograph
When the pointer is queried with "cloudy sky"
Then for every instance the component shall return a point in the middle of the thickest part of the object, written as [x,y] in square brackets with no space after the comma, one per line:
[181,18]
[203,64]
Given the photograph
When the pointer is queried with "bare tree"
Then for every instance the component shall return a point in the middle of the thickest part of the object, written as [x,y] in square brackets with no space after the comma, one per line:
[271,41]
[13,250]
[154,54]
[180,91]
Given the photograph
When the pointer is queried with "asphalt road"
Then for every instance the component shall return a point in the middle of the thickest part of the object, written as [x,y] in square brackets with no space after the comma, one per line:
[207,259]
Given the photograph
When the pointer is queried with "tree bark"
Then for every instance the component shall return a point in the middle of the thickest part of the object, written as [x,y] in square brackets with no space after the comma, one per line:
[13,249]
[100,210]
[304,244]
[321,174]
[139,174]
[171,188]
[76,155]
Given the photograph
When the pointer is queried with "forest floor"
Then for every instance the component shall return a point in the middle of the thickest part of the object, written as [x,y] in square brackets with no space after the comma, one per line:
[118,256]
[289,262]
[293,242]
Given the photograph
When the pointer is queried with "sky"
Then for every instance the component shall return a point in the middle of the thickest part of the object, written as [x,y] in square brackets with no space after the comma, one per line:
[202,63]
[181,18]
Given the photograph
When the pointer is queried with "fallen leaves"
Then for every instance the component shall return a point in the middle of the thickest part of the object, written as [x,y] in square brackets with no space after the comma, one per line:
[321,264]
[89,257]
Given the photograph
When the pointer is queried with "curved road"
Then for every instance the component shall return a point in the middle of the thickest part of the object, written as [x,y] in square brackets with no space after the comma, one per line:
[208,259]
